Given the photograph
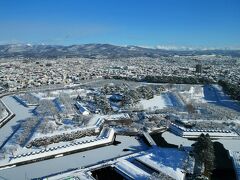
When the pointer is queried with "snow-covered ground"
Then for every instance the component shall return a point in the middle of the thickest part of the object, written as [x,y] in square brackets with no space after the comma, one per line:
[157,102]
[41,96]
[205,94]
[115,117]
[214,94]
[9,132]
[71,92]
[176,140]
[3,114]
[186,94]
[81,159]
[20,112]
[56,150]
[229,144]
[194,93]
[94,120]
[169,161]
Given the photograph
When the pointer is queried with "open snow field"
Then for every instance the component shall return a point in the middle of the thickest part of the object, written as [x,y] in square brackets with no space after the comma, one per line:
[176,140]
[214,94]
[157,102]
[194,93]
[20,112]
[162,101]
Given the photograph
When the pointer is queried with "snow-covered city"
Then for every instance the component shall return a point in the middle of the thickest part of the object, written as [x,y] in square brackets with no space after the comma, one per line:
[119,90]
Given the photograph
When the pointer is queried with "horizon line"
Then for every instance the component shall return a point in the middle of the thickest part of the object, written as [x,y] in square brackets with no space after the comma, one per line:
[160,47]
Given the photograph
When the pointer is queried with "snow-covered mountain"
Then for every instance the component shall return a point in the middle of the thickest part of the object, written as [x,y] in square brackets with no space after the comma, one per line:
[96,50]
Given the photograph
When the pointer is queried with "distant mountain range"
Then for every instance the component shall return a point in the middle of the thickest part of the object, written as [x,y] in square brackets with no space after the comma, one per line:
[99,50]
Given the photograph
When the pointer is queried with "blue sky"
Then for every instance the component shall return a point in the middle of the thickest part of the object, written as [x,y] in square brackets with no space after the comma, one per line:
[198,23]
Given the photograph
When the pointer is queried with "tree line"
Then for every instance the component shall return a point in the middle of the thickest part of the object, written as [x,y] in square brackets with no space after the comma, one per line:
[177,79]
[231,89]
[168,79]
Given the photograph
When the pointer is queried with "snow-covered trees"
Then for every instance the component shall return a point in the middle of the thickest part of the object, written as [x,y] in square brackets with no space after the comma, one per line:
[113,88]
[26,129]
[66,100]
[145,92]
[131,97]
[103,103]
[177,79]
[232,89]
[47,126]
[159,89]
[44,141]
[3,111]
[190,108]
[30,98]
[211,111]
[47,107]
[160,175]
[204,153]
